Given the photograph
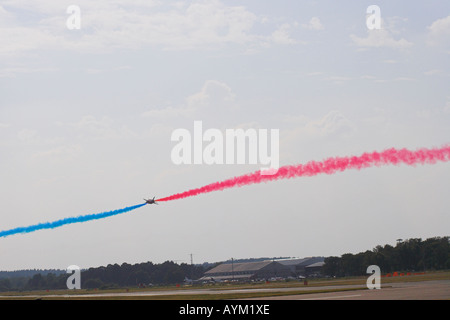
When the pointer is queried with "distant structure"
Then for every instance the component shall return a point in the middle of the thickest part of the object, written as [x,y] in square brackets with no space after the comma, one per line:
[314,269]
[264,270]
[304,267]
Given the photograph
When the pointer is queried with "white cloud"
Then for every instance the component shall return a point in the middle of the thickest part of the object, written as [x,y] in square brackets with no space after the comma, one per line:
[384,37]
[19,39]
[11,72]
[337,79]
[314,24]
[214,94]
[214,97]
[59,154]
[447,106]
[368,77]
[314,74]
[333,123]
[380,38]
[439,111]
[439,31]
[27,135]
[101,129]
[108,25]
[432,72]
[398,79]
[282,36]
[395,24]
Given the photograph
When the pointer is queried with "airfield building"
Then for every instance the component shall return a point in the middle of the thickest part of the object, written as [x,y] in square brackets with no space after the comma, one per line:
[303,267]
[267,269]
[246,271]
[314,269]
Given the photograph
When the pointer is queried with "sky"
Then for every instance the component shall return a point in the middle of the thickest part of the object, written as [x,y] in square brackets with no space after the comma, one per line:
[86,118]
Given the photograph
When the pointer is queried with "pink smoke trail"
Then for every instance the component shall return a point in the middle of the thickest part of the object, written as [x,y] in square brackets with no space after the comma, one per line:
[329,166]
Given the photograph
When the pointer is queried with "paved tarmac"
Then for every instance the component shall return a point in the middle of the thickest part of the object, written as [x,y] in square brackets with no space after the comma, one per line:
[424,290]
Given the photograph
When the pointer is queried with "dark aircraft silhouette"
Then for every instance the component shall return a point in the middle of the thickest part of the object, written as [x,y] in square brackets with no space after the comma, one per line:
[151,201]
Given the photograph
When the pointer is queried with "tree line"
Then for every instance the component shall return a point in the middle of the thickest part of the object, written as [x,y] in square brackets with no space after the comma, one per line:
[112,276]
[408,255]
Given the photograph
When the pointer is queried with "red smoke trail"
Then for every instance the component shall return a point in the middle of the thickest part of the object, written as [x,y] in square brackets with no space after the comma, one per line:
[328,166]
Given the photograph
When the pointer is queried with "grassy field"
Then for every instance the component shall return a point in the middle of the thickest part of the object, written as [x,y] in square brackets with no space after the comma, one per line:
[175,293]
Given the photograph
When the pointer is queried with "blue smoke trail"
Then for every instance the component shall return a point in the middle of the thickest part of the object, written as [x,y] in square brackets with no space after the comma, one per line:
[62,222]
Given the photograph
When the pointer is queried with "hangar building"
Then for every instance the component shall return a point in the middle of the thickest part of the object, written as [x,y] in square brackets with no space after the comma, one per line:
[303,267]
[247,271]
[244,271]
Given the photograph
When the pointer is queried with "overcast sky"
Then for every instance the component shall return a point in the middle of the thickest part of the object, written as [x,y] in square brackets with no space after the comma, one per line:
[86,118]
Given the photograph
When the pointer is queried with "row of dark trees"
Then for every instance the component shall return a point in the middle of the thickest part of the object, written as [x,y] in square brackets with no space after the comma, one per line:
[112,276]
[140,274]
[408,255]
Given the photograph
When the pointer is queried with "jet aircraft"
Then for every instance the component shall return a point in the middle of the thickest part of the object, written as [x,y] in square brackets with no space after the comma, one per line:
[151,201]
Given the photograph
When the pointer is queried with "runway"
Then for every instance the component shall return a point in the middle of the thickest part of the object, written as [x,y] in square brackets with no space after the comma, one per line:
[425,290]
[421,290]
